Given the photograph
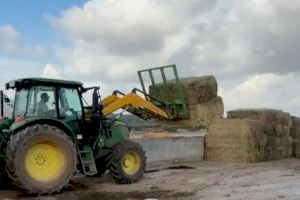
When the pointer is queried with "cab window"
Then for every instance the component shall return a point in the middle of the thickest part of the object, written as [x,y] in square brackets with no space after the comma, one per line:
[41,102]
[70,103]
[36,102]
[21,102]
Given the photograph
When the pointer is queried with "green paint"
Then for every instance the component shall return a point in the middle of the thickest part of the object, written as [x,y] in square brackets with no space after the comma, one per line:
[118,131]
[4,137]
[72,131]
[175,107]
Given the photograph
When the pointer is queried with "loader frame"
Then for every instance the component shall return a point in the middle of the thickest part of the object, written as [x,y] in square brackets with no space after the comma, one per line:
[146,106]
[179,103]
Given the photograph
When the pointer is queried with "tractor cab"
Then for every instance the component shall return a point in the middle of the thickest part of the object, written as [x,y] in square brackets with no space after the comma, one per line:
[47,98]
[52,101]
[60,102]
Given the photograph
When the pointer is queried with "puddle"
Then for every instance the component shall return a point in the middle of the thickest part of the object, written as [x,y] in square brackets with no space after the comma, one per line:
[181,167]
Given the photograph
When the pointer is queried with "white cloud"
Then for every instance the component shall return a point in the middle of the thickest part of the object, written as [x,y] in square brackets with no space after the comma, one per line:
[257,41]
[10,42]
[117,27]
[265,91]
[226,38]
[14,69]
[113,39]
[51,71]
[9,37]
[54,72]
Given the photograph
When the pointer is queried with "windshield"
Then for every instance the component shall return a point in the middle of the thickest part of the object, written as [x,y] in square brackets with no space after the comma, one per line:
[21,102]
[35,101]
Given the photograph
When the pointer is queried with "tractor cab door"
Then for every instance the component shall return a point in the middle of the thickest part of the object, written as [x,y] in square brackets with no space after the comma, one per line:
[70,108]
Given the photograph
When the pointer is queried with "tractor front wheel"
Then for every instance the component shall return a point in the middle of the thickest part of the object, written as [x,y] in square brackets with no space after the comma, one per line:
[128,162]
[41,159]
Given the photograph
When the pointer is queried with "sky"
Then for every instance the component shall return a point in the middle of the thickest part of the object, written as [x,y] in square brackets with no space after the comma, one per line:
[252,47]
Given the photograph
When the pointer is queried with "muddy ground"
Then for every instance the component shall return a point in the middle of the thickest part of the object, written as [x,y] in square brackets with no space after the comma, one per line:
[202,180]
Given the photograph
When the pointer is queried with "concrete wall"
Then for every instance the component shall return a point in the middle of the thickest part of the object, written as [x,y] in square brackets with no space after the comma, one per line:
[178,147]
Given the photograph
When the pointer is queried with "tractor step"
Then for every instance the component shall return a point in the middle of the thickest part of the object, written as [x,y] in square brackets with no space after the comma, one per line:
[87,161]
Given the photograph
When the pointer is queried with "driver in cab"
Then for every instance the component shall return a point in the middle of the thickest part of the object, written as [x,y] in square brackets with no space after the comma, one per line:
[42,107]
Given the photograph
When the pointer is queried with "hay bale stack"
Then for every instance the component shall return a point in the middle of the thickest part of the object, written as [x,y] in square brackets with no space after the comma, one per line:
[276,127]
[200,94]
[200,115]
[206,111]
[264,115]
[235,140]
[295,134]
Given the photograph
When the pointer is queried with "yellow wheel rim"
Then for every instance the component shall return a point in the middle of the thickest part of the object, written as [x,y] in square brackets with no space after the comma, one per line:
[131,163]
[45,161]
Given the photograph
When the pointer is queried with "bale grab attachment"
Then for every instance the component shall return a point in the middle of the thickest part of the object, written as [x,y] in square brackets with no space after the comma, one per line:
[146,106]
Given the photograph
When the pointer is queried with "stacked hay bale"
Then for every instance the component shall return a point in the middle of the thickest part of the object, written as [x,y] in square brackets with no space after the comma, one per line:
[250,135]
[235,140]
[276,127]
[201,97]
[295,133]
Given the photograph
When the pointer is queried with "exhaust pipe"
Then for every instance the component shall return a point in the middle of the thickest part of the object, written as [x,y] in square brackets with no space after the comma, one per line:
[2,103]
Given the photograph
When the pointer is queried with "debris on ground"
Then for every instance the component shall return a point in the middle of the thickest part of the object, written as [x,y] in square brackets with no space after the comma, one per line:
[202,180]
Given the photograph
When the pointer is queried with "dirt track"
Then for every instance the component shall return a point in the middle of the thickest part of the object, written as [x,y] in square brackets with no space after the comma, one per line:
[203,180]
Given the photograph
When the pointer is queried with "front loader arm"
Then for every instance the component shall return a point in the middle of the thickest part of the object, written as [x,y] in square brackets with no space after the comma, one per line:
[134,104]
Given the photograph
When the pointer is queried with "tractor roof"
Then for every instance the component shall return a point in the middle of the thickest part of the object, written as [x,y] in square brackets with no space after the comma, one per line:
[28,82]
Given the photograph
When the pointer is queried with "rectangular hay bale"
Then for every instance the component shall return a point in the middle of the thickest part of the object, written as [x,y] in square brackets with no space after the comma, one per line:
[200,115]
[268,116]
[235,140]
[276,126]
[295,134]
[195,89]
[296,147]
[231,155]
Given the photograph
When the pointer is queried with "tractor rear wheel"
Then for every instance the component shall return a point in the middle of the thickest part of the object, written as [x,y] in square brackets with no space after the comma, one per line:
[41,159]
[128,162]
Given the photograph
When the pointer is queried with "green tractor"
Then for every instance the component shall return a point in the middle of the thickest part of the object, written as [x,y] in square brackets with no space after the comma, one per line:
[53,132]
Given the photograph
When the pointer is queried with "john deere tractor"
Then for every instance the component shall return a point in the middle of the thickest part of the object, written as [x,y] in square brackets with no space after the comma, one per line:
[53,133]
